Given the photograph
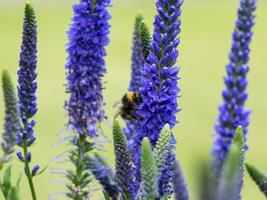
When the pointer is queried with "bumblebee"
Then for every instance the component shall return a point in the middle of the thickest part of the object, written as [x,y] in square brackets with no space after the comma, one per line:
[128,106]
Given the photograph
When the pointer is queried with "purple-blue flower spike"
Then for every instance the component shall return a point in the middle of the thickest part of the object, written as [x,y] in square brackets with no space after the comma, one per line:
[12,120]
[232,111]
[137,64]
[88,37]
[26,90]
[159,89]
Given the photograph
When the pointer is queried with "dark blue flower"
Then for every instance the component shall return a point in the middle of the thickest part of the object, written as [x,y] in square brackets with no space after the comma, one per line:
[35,169]
[88,36]
[232,111]
[159,89]
[12,121]
[27,80]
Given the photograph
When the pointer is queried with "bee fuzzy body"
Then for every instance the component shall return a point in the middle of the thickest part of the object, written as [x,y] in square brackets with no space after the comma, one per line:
[129,105]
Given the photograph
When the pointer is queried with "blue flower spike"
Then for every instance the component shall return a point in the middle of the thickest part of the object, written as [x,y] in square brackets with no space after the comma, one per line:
[232,112]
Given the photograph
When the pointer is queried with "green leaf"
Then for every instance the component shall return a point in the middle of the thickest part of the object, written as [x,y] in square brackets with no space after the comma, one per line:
[6,185]
[145,38]
[258,177]
[149,172]
[163,146]
[10,192]
[19,180]
[106,195]
[13,194]
[205,180]
[164,197]
[232,174]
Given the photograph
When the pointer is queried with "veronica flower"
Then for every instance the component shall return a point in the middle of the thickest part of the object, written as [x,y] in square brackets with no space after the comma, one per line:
[88,36]
[12,123]
[26,91]
[159,89]
[232,111]
[137,63]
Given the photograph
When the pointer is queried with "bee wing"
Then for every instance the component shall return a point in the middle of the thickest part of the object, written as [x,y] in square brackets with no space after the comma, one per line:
[116,104]
[117,114]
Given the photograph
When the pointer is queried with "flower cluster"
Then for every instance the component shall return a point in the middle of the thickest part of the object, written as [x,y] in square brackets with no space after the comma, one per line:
[12,123]
[27,82]
[232,112]
[159,89]
[27,93]
[88,36]
[137,64]
[145,164]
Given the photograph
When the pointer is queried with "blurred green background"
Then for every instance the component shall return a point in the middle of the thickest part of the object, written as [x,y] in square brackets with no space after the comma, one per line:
[205,41]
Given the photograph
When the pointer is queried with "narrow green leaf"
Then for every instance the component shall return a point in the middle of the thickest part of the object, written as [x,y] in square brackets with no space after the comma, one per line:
[231,179]
[205,180]
[164,197]
[258,177]
[6,185]
[106,196]
[149,172]
[13,194]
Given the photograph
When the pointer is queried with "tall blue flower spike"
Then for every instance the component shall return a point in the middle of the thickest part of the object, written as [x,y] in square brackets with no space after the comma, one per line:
[12,121]
[232,111]
[137,64]
[159,90]
[88,37]
[27,91]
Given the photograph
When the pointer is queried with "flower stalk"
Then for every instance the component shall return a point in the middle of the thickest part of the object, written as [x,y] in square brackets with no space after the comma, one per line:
[26,91]
[12,123]
[159,90]
[232,112]
[88,37]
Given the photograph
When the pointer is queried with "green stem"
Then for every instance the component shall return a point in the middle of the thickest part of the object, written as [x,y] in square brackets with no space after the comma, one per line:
[80,164]
[28,172]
